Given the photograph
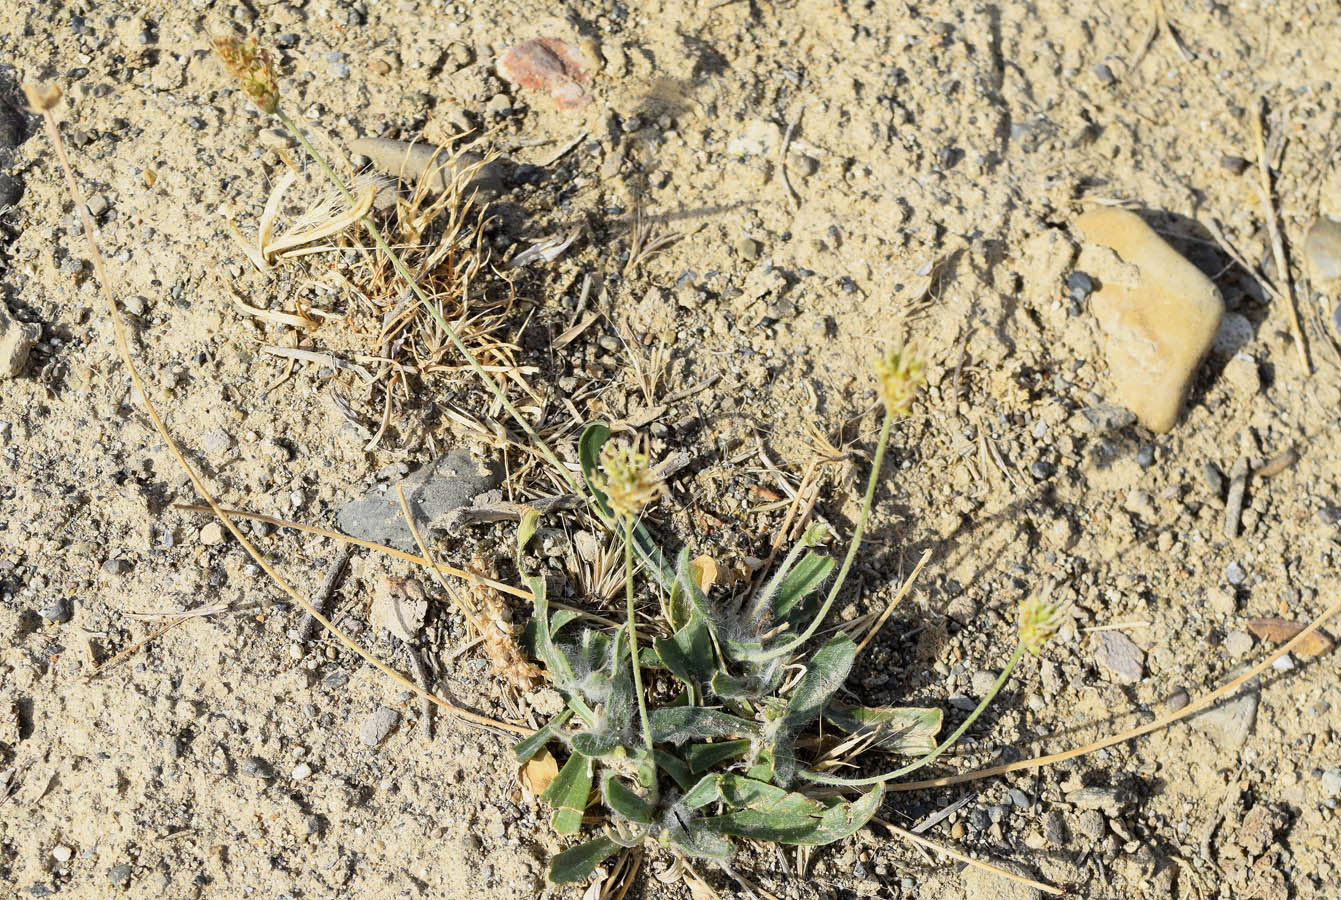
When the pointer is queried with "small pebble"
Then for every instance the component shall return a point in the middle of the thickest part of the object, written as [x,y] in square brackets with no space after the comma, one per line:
[379,723]
[1103,74]
[1041,470]
[58,610]
[1238,643]
[119,875]
[1235,574]
[1235,333]
[212,534]
[1054,828]
[1330,783]
[1119,655]
[983,681]
[1241,372]
[1019,798]
[1322,248]
[115,566]
[255,767]
[748,248]
[1145,457]
[1079,286]
[1177,700]
[1235,164]
[97,205]
[61,853]
[301,771]
[1095,798]
[1223,601]
[1214,478]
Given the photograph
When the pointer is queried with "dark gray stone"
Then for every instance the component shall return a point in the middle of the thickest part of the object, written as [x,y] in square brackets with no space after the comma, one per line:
[434,492]
[58,610]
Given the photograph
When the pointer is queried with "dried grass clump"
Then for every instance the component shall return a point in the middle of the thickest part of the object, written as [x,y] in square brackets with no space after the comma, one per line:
[440,238]
[437,227]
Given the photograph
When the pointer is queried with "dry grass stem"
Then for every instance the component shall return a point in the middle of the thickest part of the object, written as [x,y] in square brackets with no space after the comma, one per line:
[920,841]
[1196,706]
[1277,244]
[898,597]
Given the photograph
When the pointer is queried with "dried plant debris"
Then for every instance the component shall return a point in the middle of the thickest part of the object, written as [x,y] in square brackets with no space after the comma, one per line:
[500,645]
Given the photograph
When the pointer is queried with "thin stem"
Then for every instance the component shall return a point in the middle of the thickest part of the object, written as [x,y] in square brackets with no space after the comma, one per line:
[879,460]
[633,643]
[946,744]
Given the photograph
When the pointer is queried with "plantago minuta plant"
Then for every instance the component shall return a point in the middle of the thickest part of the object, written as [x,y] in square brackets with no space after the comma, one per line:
[733,753]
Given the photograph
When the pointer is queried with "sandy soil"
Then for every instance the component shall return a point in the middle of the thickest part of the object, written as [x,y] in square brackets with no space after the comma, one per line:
[838,174]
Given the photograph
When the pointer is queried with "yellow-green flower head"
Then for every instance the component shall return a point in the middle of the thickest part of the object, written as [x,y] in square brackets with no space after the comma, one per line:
[627,479]
[1039,621]
[252,67]
[900,370]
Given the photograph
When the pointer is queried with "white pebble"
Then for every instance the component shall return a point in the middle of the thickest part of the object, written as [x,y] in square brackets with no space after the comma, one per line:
[301,771]
[62,853]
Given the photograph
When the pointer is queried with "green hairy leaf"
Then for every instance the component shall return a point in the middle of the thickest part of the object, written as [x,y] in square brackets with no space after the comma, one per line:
[577,863]
[825,674]
[702,757]
[568,794]
[688,653]
[550,730]
[902,729]
[677,724]
[595,744]
[809,574]
[761,811]
[624,800]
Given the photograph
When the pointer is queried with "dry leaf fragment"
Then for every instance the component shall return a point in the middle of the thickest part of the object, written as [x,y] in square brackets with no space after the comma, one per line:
[536,773]
[704,572]
[1278,631]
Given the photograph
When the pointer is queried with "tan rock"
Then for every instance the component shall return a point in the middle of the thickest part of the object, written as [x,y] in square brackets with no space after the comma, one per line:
[1159,327]
[1323,249]
[17,340]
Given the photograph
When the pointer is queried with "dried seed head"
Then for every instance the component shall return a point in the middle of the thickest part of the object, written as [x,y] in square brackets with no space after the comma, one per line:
[500,644]
[627,480]
[252,67]
[1039,621]
[42,97]
[900,370]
